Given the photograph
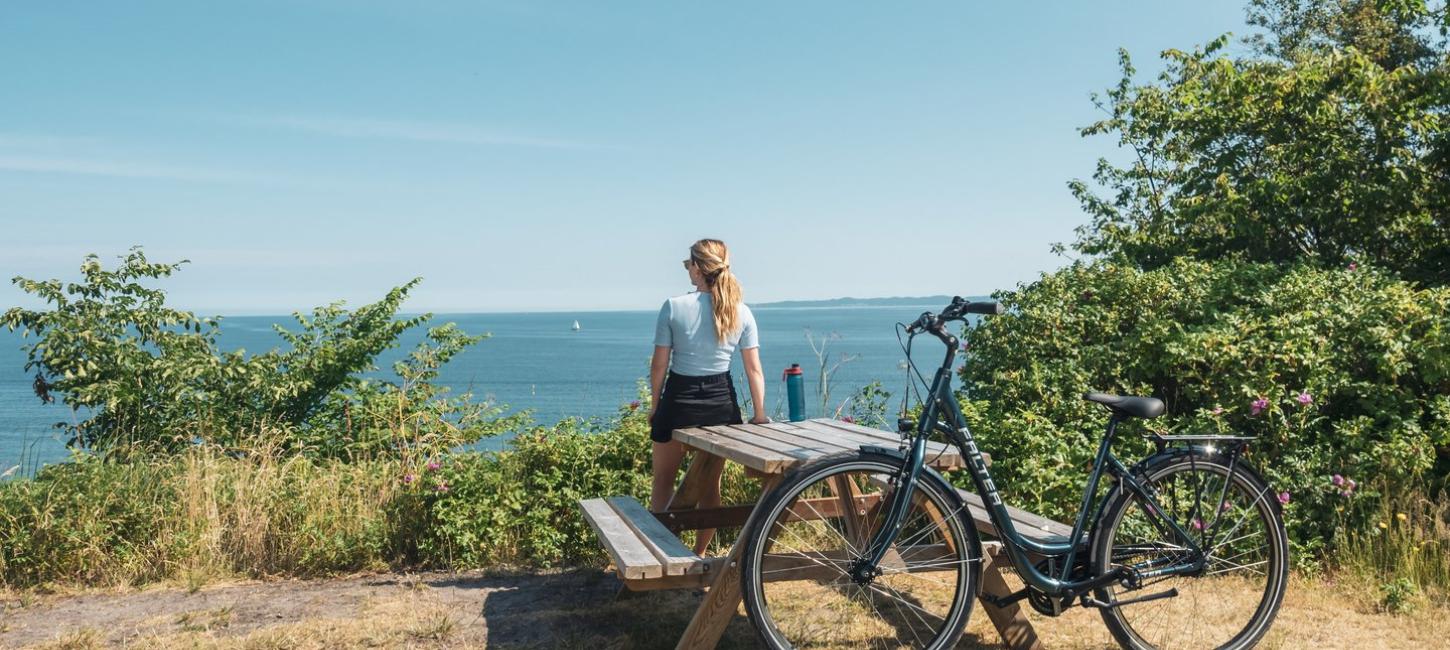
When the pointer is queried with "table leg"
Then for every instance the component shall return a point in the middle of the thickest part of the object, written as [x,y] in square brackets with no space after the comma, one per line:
[702,466]
[847,495]
[723,599]
[1011,622]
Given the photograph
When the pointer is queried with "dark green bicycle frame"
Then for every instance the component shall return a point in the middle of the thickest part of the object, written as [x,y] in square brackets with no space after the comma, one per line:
[1017,546]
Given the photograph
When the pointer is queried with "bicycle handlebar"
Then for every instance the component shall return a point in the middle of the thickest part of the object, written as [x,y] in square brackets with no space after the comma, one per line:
[955,311]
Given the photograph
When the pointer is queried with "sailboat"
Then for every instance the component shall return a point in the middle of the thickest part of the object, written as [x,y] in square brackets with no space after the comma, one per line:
[576,326]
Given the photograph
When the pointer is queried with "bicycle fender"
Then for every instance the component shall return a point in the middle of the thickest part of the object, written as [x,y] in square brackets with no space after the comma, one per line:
[889,451]
[1143,467]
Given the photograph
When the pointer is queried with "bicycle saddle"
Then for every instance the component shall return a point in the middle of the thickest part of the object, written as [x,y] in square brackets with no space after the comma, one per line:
[1138,407]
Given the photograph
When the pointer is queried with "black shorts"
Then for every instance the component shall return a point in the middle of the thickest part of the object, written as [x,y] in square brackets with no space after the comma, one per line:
[688,401]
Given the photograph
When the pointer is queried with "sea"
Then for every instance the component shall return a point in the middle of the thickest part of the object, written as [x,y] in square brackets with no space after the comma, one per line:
[538,362]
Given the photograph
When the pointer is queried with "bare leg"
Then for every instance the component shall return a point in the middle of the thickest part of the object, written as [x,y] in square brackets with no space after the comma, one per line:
[666,460]
[710,499]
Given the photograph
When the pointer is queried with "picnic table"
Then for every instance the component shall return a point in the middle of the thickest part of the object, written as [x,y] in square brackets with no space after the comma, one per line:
[648,554]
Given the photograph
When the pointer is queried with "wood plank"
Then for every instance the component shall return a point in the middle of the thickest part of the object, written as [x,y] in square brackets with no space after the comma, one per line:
[937,454]
[737,515]
[765,460]
[751,434]
[894,437]
[1011,621]
[838,437]
[697,518]
[918,554]
[847,494]
[794,436]
[726,435]
[1029,525]
[632,559]
[672,554]
[889,436]
[947,449]
[1032,526]
[940,455]
[722,601]
[703,466]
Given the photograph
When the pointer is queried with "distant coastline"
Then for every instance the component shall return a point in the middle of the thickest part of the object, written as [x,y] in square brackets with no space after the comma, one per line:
[836,303]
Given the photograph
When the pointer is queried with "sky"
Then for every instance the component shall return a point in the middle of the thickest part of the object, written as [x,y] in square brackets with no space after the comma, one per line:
[543,156]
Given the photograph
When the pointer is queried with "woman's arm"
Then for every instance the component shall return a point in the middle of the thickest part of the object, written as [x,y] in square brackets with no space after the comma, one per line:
[658,364]
[756,378]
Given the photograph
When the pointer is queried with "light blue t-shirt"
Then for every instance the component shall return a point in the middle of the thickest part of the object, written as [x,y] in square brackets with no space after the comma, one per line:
[687,325]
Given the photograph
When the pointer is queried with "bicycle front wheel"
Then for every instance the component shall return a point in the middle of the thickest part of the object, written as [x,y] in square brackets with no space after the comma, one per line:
[796,577]
[1234,518]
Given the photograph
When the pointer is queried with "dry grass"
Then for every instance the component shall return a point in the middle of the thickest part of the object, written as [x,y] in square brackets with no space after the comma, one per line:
[577,610]
[202,516]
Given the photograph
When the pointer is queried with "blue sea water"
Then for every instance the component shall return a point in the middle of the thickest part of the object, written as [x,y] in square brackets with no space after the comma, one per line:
[535,361]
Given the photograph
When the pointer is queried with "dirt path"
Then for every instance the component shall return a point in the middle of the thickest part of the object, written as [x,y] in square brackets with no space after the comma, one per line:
[566,609]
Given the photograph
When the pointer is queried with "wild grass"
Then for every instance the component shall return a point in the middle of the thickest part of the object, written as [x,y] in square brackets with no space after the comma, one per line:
[1403,562]
[207,514]
[200,515]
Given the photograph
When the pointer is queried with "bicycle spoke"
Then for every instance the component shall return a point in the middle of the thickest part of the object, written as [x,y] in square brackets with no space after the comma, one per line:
[1243,556]
[800,584]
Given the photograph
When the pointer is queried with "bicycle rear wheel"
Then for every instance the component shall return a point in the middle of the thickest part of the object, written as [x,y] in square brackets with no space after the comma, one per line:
[1235,519]
[796,572]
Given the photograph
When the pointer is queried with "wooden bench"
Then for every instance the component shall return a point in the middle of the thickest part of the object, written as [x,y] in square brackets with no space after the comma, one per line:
[642,548]
[648,554]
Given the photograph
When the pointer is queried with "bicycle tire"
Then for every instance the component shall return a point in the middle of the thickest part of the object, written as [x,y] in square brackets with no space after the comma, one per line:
[795,570]
[1244,538]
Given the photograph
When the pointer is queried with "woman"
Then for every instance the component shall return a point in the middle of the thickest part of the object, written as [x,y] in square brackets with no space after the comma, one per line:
[694,338]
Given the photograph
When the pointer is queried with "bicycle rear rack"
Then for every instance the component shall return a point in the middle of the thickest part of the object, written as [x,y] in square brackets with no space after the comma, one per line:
[1224,442]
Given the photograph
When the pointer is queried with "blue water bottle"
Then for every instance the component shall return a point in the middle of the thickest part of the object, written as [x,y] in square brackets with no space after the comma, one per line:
[795,392]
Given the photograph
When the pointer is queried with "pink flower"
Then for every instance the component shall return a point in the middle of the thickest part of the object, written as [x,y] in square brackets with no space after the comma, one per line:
[1217,410]
[433,466]
[1258,406]
[407,479]
[1345,493]
[1284,498]
[1227,506]
[1349,483]
[1337,480]
[1197,523]
[1305,399]
[1353,266]
[847,418]
[441,487]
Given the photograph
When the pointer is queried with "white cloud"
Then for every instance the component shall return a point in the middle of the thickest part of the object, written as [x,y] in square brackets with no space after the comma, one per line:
[35,141]
[90,167]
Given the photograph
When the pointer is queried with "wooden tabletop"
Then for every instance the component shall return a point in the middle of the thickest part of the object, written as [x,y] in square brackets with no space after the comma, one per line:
[777,447]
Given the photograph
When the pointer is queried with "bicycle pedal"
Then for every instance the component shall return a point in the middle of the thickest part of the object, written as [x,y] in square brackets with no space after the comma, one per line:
[1003,601]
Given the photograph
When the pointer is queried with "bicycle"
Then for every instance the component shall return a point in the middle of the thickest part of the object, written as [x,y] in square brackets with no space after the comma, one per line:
[1186,549]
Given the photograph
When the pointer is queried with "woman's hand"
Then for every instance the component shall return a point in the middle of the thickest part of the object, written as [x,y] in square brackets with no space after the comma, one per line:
[755,376]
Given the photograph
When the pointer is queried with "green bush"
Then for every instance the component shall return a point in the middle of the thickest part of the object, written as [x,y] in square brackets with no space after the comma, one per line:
[1350,370]
[521,505]
[209,512]
[144,376]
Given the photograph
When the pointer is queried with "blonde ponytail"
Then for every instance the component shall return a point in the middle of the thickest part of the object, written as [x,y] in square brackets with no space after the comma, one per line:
[713,260]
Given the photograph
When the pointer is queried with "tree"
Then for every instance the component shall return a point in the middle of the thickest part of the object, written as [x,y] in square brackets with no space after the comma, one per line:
[1328,159]
[1393,33]
[139,375]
